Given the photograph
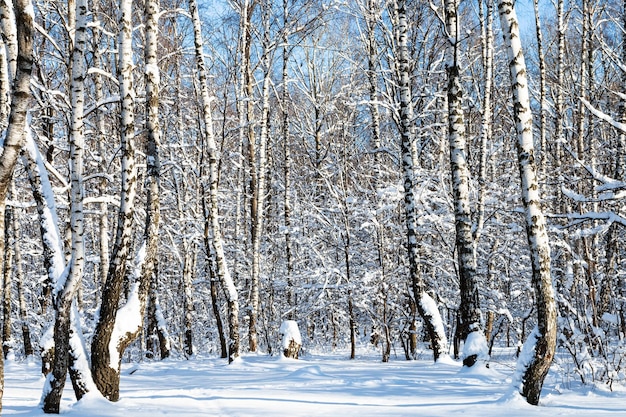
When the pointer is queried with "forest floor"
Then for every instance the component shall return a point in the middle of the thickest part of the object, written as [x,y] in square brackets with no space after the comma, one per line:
[318,384]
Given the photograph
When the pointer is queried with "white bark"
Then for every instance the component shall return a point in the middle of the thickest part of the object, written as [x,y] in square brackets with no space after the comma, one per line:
[535,370]
[211,150]
[469,309]
[5,88]
[65,295]
[258,217]
[106,374]
[543,125]
[407,135]
[14,137]
[9,31]
[291,296]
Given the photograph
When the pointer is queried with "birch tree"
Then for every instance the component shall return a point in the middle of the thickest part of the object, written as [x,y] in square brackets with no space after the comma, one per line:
[540,347]
[426,306]
[14,135]
[104,348]
[543,117]
[150,268]
[469,310]
[210,148]
[19,277]
[66,288]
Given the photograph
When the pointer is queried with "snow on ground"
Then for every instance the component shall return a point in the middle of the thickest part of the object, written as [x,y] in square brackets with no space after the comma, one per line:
[317,385]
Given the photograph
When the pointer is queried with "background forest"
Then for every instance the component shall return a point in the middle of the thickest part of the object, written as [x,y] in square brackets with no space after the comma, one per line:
[287,117]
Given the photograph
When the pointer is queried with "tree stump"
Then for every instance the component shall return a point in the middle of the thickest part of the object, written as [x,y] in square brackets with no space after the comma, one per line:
[291,339]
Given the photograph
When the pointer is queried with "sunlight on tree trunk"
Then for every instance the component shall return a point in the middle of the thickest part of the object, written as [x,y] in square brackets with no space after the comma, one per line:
[541,344]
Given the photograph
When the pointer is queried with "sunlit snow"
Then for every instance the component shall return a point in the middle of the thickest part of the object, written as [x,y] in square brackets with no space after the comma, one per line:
[319,384]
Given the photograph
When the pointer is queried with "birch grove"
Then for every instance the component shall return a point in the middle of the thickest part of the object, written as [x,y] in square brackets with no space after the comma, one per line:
[191,176]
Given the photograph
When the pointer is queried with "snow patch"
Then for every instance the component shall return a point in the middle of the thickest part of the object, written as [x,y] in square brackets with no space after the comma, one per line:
[290,331]
[127,321]
[152,71]
[476,344]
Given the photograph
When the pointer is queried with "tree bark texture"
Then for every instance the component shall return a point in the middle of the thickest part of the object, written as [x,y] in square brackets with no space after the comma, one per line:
[407,137]
[20,95]
[105,373]
[210,148]
[537,367]
[66,290]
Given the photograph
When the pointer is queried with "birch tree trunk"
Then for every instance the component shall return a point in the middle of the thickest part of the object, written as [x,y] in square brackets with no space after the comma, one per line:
[14,138]
[19,277]
[5,87]
[103,218]
[541,344]
[543,91]
[259,195]
[9,38]
[486,128]
[371,18]
[188,305]
[128,319]
[63,299]
[147,262]
[157,330]
[291,295]
[149,273]
[105,360]
[211,153]
[426,306]
[57,272]
[469,310]
[7,283]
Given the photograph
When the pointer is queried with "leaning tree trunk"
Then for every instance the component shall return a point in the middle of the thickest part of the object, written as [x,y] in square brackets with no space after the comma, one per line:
[14,138]
[127,320]
[541,345]
[211,151]
[426,306]
[104,359]
[54,263]
[131,319]
[469,309]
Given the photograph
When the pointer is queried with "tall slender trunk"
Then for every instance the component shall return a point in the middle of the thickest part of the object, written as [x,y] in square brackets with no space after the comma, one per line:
[63,299]
[10,37]
[103,218]
[157,324]
[291,294]
[188,306]
[259,206]
[105,360]
[426,306]
[486,127]
[7,283]
[371,19]
[541,344]
[19,278]
[14,138]
[543,91]
[469,310]
[210,149]
[149,273]
[5,87]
